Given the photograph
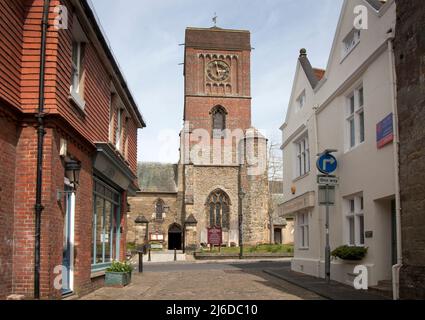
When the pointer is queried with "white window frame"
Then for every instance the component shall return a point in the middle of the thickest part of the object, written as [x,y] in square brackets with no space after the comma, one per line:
[79,44]
[355,221]
[302,157]
[350,42]
[355,119]
[303,221]
[301,100]
[119,129]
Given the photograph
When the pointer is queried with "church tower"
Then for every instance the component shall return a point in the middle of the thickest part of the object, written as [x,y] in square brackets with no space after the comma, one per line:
[217,114]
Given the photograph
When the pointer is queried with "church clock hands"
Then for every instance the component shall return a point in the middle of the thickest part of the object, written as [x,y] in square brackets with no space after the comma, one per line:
[218,70]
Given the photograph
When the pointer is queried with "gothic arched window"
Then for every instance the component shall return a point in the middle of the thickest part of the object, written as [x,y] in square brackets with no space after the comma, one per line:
[218,119]
[218,205]
[159,209]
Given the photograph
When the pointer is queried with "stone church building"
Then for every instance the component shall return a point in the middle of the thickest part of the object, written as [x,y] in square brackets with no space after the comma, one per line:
[221,178]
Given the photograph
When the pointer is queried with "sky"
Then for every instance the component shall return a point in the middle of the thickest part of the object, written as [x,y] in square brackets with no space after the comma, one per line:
[146,38]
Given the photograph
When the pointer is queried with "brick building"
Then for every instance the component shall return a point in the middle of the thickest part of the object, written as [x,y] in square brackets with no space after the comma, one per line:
[90,120]
[222,156]
[410,67]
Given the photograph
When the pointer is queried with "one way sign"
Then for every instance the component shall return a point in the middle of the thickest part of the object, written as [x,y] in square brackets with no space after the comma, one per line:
[327,181]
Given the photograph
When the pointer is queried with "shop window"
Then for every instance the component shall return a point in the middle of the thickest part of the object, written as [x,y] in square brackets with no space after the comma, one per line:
[106,225]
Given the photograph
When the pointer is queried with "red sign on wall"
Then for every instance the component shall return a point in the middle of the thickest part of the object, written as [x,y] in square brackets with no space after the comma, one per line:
[215,236]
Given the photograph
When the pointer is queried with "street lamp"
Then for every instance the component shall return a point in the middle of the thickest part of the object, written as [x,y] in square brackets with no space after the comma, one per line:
[242,195]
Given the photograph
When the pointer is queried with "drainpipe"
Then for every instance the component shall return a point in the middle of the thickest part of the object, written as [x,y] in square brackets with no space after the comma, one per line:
[40,145]
[396,268]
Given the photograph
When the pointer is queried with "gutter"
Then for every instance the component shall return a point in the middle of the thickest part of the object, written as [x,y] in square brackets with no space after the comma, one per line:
[40,145]
[397,267]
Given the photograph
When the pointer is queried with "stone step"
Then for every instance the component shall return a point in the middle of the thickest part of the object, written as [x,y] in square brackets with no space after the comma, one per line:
[384,288]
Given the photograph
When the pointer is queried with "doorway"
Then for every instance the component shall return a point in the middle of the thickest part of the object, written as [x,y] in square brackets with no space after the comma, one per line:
[278,236]
[68,240]
[175,237]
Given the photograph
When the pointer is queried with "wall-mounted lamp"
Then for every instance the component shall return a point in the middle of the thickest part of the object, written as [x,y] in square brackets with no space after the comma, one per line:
[72,173]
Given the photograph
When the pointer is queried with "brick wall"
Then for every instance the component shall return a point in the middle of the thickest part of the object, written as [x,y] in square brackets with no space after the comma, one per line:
[410,67]
[8,141]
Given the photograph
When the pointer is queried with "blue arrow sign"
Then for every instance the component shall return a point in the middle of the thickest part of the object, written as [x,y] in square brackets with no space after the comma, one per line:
[327,163]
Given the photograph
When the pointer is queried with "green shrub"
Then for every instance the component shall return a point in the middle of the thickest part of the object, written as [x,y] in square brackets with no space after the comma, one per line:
[121,267]
[350,253]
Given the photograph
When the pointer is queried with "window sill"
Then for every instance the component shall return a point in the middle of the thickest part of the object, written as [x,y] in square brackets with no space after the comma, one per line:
[347,54]
[303,249]
[97,274]
[301,177]
[354,148]
[75,98]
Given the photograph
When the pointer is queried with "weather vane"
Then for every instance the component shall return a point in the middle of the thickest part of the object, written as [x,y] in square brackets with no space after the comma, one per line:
[214,19]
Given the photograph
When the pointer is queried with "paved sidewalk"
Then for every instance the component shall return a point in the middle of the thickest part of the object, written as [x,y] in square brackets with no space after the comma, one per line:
[332,291]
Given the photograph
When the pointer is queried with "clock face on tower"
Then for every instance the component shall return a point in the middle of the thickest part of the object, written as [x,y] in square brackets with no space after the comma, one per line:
[218,70]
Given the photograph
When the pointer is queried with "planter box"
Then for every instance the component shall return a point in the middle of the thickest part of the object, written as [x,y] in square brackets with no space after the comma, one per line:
[117,279]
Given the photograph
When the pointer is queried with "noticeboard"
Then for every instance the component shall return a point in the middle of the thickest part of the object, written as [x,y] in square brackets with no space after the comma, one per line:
[215,236]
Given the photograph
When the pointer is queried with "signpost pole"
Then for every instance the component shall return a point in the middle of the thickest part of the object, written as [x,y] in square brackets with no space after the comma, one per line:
[328,247]
[327,164]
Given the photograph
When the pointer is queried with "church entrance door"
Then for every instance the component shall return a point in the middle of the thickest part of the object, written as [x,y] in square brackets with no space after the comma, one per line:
[175,237]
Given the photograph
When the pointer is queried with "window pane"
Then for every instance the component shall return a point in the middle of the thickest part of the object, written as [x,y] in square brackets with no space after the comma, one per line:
[302,235]
[107,231]
[307,237]
[219,121]
[352,206]
[361,230]
[352,133]
[352,105]
[116,224]
[212,214]
[225,217]
[361,97]
[362,128]
[99,230]
[218,215]
[351,228]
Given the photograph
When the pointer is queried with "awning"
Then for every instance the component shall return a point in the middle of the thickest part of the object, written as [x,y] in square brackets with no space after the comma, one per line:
[301,203]
[112,167]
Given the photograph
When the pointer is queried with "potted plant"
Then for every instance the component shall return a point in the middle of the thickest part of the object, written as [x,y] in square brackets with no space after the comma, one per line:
[118,274]
[350,253]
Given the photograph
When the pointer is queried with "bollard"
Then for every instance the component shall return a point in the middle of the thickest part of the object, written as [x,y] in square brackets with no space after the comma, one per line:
[175,254]
[149,257]
[140,261]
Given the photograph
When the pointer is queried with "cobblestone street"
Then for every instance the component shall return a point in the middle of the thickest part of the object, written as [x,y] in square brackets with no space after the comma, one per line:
[205,282]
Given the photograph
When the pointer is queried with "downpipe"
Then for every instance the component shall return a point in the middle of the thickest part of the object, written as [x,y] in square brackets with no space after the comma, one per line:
[40,146]
[397,267]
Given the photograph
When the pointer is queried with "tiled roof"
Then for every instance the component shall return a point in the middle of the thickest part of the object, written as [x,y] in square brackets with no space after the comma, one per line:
[157,177]
[376,4]
[319,73]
